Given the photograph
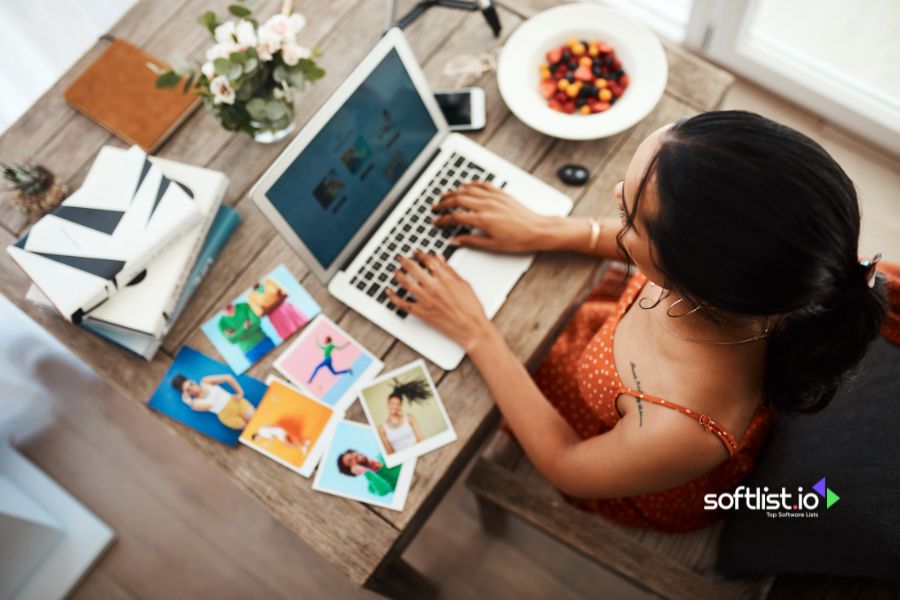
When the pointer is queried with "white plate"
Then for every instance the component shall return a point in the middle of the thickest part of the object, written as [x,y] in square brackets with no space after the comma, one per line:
[640,52]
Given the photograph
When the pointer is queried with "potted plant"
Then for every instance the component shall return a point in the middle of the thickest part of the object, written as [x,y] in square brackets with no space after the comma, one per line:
[251,73]
[36,191]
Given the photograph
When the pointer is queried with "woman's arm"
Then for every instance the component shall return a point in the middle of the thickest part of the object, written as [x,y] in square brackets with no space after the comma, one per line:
[388,449]
[507,226]
[629,459]
[225,378]
[415,427]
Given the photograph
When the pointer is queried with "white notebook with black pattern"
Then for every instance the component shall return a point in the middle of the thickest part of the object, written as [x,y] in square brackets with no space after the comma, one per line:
[105,234]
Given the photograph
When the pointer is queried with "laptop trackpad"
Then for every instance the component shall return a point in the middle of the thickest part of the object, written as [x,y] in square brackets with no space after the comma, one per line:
[492,276]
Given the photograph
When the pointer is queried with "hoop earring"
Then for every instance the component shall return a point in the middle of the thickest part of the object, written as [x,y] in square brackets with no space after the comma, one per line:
[674,304]
[662,294]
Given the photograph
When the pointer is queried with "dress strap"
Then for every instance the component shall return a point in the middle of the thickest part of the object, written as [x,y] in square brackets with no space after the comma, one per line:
[704,420]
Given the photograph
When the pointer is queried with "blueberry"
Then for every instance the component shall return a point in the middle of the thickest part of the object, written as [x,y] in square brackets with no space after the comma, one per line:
[553,67]
[597,71]
[570,76]
[580,101]
[566,56]
[607,62]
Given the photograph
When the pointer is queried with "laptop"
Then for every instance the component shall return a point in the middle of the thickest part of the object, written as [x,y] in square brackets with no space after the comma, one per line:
[354,190]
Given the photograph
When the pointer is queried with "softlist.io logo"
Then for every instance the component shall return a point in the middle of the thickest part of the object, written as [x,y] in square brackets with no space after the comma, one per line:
[782,503]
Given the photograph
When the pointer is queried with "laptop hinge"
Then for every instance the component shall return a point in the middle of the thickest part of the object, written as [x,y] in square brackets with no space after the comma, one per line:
[388,213]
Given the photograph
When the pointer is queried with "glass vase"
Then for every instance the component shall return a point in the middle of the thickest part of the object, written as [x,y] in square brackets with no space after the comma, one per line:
[269,132]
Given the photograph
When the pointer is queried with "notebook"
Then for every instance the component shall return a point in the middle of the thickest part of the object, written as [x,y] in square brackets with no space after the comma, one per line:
[105,234]
[119,92]
[227,219]
[144,307]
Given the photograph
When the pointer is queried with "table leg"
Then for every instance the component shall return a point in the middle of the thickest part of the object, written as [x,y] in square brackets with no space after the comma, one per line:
[399,580]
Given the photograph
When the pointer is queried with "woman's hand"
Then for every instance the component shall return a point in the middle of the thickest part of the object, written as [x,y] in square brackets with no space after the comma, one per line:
[443,299]
[505,224]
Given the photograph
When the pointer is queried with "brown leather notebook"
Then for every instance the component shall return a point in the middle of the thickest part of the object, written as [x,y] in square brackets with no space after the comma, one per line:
[119,92]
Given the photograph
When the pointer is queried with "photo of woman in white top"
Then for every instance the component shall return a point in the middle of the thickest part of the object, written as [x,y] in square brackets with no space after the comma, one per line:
[399,430]
[231,408]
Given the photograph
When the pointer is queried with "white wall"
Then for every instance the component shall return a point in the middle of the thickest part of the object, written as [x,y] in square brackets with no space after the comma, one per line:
[40,40]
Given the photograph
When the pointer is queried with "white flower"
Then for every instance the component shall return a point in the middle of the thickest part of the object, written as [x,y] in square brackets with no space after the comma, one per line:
[291,53]
[222,91]
[269,44]
[245,33]
[208,69]
[296,22]
[222,50]
[225,32]
[279,25]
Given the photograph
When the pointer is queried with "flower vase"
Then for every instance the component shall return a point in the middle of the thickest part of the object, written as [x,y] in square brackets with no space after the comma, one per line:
[270,131]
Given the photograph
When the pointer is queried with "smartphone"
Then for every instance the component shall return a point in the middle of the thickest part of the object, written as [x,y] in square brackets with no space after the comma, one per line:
[463,109]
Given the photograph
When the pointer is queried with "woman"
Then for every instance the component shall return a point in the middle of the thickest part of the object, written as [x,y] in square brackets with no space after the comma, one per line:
[232,409]
[400,431]
[328,349]
[749,300]
[270,299]
[286,431]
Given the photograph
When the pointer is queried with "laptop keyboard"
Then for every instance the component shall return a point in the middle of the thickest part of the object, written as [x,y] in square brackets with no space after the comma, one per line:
[414,231]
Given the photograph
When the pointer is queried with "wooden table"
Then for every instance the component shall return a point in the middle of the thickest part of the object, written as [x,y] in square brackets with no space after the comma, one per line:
[364,542]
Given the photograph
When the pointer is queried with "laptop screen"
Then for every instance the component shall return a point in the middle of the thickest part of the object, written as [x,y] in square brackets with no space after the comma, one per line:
[342,175]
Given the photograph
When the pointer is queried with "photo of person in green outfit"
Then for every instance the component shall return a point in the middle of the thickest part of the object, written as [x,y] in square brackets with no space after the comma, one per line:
[354,467]
[241,327]
[382,481]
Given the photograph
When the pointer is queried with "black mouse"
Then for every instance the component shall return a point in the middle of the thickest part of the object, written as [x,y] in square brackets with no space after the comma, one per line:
[573,174]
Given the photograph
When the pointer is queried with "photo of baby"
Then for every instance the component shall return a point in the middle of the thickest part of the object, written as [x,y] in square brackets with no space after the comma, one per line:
[406,413]
[206,395]
[326,362]
[260,319]
[353,467]
[290,427]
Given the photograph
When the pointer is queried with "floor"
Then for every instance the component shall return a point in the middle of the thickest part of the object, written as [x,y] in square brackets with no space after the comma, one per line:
[186,532]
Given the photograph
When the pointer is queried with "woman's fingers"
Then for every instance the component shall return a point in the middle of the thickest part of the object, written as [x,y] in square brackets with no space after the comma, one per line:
[410,283]
[402,303]
[413,269]
[475,241]
[468,219]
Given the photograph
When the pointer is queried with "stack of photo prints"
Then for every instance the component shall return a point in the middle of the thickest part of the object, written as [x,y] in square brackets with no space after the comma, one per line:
[296,418]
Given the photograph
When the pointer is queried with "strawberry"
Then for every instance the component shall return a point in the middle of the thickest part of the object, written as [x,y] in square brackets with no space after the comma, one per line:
[623,81]
[569,107]
[554,55]
[584,73]
[548,88]
[554,105]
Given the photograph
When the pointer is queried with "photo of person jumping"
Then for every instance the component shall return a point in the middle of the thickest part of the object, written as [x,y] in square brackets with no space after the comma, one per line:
[328,349]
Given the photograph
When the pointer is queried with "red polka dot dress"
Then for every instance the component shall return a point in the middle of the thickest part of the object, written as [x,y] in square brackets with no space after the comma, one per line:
[580,379]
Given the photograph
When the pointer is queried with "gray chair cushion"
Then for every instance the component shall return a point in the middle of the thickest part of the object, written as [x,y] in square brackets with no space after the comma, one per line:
[855,444]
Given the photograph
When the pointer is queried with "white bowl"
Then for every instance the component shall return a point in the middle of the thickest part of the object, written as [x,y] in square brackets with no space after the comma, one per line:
[641,54]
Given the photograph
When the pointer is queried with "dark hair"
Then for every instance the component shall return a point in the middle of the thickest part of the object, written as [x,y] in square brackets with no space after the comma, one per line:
[757,219]
[178,382]
[415,391]
[341,466]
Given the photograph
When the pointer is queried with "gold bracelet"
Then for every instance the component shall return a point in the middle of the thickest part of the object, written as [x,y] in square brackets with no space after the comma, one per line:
[596,228]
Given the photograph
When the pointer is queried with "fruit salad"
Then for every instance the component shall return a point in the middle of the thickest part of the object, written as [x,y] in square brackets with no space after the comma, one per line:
[582,77]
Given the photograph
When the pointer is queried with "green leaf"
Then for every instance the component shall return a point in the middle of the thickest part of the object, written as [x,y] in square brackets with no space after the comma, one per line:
[296,79]
[189,80]
[234,71]
[209,20]
[310,69]
[169,79]
[275,110]
[239,11]
[251,53]
[237,57]
[257,108]
[250,65]
[244,91]
[221,66]
[280,73]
